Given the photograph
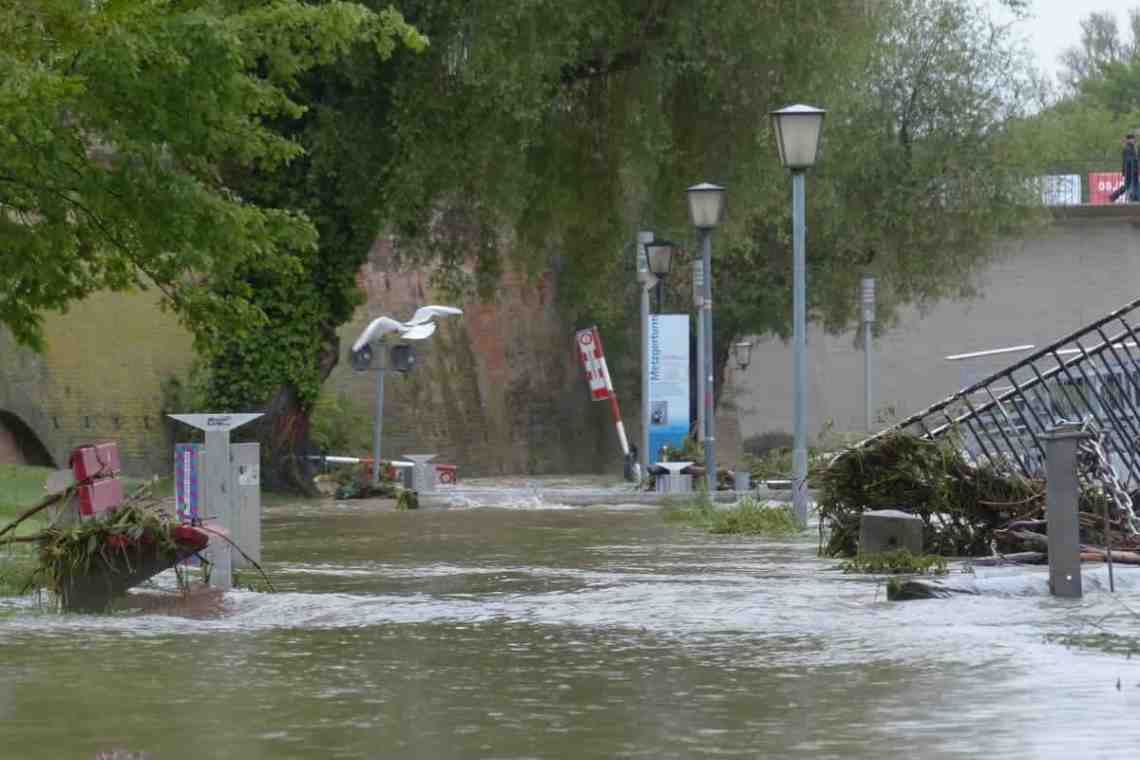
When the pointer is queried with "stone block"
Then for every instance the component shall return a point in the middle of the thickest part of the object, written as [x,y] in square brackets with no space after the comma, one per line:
[742,480]
[885,530]
[674,483]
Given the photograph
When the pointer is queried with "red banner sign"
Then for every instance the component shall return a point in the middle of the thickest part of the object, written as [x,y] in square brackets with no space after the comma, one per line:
[1102,185]
[593,362]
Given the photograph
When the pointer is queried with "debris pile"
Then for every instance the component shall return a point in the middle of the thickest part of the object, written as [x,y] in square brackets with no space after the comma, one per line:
[86,562]
[967,509]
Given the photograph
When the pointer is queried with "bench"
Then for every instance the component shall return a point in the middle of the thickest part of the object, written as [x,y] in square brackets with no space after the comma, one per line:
[125,562]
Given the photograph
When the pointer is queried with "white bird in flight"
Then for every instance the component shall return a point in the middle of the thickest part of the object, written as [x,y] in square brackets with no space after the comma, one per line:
[420,326]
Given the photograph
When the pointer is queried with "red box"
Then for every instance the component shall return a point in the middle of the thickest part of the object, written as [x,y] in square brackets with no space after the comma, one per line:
[1102,185]
[100,496]
[446,474]
[96,461]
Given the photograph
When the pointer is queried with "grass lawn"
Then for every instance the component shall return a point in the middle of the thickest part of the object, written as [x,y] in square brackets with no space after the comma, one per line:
[20,488]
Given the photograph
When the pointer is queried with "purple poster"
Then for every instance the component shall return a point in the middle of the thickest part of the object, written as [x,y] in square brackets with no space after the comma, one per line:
[187,480]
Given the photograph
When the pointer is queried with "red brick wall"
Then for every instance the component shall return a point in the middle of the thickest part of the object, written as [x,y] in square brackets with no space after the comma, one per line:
[494,391]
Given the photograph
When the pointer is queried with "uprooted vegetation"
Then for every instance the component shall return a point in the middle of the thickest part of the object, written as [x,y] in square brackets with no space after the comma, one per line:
[967,509]
[103,555]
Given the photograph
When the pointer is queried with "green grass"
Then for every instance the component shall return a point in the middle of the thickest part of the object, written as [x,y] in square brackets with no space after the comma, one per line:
[20,488]
[899,561]
[17,563]
[747,517]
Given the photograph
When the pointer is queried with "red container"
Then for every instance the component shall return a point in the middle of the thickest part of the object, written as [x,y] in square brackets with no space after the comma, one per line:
[100,460]
[446,474]
[100,496]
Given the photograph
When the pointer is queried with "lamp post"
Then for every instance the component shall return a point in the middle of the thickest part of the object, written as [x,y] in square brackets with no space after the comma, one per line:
[867,299]
[797,139]
[698,301]
[742,352]
[706,202]
[660,255]
[646,280]
[420,327]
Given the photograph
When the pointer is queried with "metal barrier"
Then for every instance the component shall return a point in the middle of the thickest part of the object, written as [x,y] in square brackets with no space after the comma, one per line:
[1091,373]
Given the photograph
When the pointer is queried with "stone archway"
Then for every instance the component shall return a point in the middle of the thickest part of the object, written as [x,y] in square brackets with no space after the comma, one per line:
[19,444]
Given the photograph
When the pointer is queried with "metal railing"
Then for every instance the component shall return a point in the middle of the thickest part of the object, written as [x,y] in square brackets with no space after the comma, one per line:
[1093,373]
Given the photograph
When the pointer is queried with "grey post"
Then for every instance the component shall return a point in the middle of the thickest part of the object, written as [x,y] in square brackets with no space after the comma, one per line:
[708,370]
[799,347]
[698,301]
[219,501]
[1062,491]
[868,302]
[220,487]
[645,282]
[378,425]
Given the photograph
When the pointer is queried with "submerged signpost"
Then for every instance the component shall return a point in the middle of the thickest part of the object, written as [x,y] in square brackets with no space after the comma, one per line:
[221,490]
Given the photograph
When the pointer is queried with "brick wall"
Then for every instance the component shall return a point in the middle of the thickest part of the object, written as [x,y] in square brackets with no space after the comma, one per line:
[496,390]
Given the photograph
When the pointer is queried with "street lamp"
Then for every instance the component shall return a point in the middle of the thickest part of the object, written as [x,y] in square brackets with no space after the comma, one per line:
[420,327]
[742,352]
[645,281]
[706,201]
[660,253]
[867,301]
[797,137]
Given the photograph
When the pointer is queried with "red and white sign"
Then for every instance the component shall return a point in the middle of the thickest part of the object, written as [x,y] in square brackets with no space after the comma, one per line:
[598,375]
[594,363]
[1102,185]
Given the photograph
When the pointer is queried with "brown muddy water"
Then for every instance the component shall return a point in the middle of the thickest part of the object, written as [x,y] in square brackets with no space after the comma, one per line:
[600,632]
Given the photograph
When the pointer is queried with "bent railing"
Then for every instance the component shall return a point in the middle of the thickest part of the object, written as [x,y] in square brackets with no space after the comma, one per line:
[1093,373]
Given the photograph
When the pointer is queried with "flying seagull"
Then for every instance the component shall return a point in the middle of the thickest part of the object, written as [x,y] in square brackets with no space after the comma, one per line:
[420,326]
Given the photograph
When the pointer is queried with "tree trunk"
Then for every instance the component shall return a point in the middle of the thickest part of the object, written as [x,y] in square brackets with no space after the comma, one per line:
[284,430]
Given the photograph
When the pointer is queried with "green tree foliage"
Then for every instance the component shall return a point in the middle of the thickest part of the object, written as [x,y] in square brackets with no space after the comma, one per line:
[119,121]
[540,131]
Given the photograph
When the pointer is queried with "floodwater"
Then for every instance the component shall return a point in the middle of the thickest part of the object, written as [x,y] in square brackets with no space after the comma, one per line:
[533,631]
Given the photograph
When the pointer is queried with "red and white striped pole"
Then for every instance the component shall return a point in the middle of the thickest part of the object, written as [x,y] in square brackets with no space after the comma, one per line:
[601,357]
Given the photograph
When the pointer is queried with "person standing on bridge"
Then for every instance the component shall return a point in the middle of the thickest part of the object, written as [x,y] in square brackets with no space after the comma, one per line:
[1130,170]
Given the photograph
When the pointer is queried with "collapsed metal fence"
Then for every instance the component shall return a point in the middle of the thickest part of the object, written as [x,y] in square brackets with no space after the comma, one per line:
[1091,374]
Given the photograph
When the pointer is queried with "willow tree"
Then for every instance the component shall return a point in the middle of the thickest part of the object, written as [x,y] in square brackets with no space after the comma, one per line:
[542,134]
[537,133]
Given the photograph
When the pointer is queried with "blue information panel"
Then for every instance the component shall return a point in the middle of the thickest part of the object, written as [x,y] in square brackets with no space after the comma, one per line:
[668,382]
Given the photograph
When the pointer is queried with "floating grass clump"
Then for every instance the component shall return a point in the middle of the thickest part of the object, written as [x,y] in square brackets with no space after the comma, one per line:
[899,561]
[746,517]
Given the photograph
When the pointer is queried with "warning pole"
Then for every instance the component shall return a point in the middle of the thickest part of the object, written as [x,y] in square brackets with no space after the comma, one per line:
[612,394]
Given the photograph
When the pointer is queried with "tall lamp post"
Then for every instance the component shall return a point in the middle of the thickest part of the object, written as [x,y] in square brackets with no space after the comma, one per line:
[646,280]
[420,327]
[867,300]
[698,301]
[797,138]
[705,204]
[660,254]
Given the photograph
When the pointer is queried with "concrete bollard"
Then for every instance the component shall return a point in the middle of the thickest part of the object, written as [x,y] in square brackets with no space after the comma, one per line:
[885,530]
[674,484]
[742,480]
[423,473]
[1061,494]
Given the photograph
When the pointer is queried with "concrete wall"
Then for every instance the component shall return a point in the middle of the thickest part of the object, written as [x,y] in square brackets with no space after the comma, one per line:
[1041,288]
[98,378]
